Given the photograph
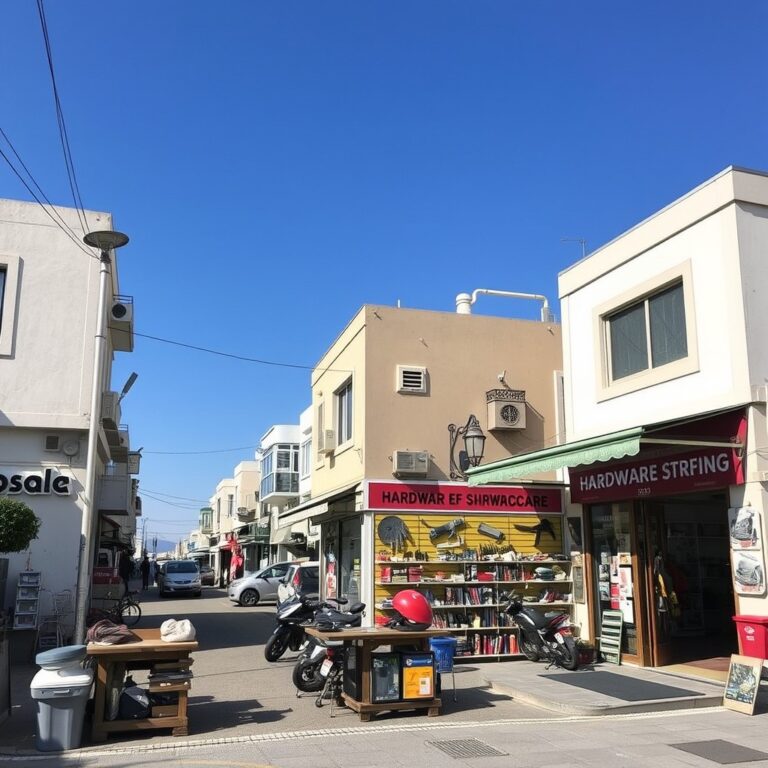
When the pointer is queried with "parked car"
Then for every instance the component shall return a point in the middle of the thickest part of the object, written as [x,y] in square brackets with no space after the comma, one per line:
[258,587]
[302,578]
[207,576]
[179,577]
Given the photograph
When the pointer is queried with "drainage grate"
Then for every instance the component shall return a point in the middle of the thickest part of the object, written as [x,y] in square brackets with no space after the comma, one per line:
[723,752]
[466,748]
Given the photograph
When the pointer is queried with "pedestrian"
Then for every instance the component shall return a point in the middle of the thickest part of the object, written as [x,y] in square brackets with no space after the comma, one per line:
[144,567]
[125,569]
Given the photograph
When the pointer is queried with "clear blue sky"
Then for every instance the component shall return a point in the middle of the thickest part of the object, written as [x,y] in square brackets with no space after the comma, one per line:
[279,164]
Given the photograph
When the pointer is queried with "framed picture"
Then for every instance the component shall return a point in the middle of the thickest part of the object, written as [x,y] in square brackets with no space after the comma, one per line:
[748,572]
[744,528]
[742,684]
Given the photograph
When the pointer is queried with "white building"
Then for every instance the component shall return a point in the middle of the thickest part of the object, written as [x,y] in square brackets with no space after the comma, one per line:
[665,369]
[49,289]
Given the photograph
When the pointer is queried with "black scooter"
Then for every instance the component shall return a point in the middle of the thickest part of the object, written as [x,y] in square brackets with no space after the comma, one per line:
[544,636]
[315,661]
[289,632]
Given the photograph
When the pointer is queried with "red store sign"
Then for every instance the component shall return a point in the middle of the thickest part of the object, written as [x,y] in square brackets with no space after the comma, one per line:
[657,475]
[452,497]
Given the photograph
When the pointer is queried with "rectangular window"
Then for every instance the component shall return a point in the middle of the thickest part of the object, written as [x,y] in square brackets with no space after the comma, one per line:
[306,458]
[648,334]
[230,505]
[2,296]
[344,413]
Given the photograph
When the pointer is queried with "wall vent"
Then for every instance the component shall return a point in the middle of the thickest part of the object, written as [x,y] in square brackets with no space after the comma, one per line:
[52,443]
[411,379]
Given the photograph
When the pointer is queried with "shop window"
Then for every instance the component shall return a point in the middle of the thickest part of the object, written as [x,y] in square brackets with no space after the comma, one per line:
[9,272]
[612,547]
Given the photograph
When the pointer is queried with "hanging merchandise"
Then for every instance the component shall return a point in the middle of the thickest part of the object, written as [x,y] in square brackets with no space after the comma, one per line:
[394,532]
[545,526]
[489,530]
[447,529]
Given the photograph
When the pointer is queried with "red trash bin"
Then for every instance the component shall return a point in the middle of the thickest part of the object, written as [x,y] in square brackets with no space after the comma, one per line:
[753,636]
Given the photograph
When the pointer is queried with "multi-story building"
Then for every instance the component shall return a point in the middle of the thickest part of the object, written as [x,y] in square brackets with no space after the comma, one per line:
[49,292]
[393,400]
[665,376]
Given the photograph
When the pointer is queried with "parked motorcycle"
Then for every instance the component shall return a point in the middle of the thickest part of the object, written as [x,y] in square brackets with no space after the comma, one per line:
[319,657]
[544,636]
[292,615]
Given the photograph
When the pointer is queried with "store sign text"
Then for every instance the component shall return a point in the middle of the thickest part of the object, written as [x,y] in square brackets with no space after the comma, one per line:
[669,474]
[36,483]
[436,497]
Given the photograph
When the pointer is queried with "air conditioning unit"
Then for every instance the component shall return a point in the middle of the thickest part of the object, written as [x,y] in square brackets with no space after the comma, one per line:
[410,463]
[326,441]
[121,311]
[110,410]
[506,409]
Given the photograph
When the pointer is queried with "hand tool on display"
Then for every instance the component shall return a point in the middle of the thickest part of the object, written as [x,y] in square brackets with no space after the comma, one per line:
[489,530]
[393,531]
[447,529]
[542,527]
[452,544]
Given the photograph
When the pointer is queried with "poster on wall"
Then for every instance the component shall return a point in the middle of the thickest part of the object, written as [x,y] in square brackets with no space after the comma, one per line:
[744,528]
[748,572]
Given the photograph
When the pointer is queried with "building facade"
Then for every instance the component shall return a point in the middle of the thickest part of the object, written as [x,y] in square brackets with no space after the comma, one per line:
[666,365]
[49,289]
[383,397]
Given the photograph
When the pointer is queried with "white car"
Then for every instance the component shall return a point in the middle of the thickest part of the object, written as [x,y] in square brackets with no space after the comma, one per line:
[259,587]
[179,577]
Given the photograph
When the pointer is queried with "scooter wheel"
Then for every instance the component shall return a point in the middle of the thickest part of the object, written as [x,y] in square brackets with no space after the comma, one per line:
[276,646]
[307,678]
[529,649]
[569,654]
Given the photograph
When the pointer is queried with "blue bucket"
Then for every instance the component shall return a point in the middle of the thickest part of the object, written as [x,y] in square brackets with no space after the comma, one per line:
[443,648]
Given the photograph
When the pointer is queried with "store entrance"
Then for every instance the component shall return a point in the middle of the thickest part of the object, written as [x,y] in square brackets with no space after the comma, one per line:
[688,601]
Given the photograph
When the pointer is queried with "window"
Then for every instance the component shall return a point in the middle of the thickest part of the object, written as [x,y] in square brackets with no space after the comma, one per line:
[9,273]
[306,458]
[344,413]
[230,505]
[280,470]
[648,334]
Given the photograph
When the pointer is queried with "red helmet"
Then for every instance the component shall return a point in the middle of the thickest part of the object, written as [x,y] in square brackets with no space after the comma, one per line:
[412,611]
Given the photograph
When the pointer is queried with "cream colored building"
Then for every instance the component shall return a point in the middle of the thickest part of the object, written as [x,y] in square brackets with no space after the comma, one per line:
[49,288]
[383,397]
[665,370]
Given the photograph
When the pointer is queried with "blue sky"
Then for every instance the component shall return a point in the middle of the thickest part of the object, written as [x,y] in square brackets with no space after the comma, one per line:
[279,164]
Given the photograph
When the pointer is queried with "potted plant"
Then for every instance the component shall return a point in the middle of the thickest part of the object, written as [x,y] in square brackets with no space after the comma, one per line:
[19,525]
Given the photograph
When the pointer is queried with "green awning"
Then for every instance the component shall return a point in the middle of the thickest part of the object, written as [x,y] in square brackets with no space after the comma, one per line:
[603,448]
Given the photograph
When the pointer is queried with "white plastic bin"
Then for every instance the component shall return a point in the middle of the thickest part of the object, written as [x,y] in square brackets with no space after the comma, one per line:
[61,696]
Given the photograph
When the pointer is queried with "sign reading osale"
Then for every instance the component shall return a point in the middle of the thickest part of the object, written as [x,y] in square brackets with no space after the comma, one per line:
[35,483]
[657,475]
[440,497]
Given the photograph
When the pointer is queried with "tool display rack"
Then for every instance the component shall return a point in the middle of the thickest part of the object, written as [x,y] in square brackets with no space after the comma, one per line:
[27,606]
[465,583]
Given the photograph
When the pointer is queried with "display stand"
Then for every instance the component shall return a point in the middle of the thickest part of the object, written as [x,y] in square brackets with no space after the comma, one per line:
[27,605]
[365,641]
[149,653]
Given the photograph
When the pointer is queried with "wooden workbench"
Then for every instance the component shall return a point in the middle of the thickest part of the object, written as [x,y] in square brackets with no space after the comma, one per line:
[145,654]
[367,640]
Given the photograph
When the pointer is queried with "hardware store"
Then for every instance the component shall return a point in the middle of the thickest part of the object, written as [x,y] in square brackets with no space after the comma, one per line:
[669,538]
[462,547]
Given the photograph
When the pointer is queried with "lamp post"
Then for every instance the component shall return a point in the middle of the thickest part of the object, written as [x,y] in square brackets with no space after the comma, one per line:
[105,241]
[474,444]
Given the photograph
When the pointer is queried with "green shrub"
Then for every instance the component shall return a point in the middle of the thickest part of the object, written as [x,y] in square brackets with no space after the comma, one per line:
[18,525]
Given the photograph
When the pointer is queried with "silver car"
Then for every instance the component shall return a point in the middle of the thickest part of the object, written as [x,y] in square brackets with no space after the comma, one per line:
[259,587]
[179,577]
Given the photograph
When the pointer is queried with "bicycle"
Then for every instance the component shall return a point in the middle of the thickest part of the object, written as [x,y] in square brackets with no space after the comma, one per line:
[125,611]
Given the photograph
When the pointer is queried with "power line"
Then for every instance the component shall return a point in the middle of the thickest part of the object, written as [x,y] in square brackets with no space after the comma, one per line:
[170,496]
[197,453]
[169,503]
[68,232]
[68,162]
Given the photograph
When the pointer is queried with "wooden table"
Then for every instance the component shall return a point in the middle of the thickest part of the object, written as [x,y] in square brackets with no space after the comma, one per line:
[366,640]
[146,654]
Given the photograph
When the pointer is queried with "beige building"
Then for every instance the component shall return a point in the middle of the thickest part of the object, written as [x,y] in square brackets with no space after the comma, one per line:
[383,397]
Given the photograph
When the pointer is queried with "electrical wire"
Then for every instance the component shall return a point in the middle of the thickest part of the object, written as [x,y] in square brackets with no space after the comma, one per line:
[69,233]
[239,357]
[199,453]
[169,503]
[68,162]
[171,496]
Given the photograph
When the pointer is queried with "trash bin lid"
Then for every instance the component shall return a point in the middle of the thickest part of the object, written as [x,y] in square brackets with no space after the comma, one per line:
[741,618]
[60,657]
[61,678]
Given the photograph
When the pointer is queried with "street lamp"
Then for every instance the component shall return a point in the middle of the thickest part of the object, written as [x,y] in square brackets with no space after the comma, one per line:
[474,444]
[105,241]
